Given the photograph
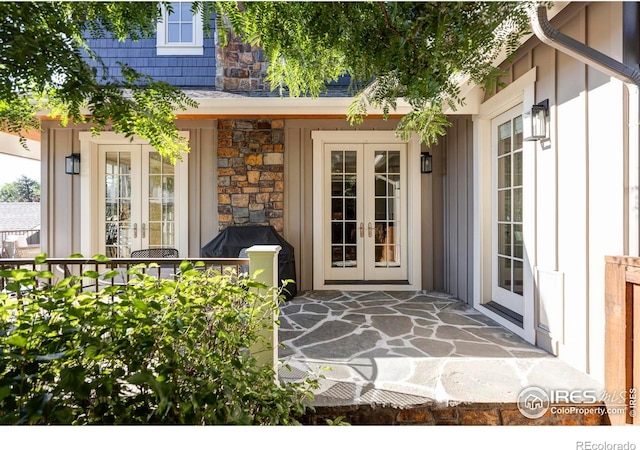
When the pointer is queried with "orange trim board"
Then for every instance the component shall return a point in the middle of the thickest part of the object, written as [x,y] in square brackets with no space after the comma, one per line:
[32,134]
[261,116]
[279,116]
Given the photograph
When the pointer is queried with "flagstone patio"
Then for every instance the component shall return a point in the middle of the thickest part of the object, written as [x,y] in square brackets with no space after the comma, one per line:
[410,348]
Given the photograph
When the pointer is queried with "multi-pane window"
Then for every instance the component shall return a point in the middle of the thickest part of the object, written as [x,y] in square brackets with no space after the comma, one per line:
[344,225]
[161,202]
[387,207]
[509,206]
[180,24]
[180,31]
[117,203]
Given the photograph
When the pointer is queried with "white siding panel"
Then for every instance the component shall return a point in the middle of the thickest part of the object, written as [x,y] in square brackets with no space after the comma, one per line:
[572,195]
[606,123]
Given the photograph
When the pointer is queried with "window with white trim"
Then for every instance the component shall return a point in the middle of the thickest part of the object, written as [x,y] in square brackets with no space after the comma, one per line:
[180,31]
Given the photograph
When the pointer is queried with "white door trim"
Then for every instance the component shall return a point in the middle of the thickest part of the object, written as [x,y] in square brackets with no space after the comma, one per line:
[521,91]
[320,138]
[503,296]
[89,190]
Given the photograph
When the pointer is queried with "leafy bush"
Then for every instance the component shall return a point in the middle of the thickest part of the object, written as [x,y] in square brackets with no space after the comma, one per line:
[152,351]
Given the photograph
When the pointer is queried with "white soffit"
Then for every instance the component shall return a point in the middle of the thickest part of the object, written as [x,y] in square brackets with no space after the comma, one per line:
[330,106]
[10,145]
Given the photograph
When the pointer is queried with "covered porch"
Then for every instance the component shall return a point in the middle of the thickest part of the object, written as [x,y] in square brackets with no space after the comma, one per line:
[418,358]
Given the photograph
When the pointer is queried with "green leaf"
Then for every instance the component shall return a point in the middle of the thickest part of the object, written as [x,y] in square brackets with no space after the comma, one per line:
[17,340]
[185,266]
[111,274]
[139,304]
[5,391]
[141,378]
[101,258]
[91,352]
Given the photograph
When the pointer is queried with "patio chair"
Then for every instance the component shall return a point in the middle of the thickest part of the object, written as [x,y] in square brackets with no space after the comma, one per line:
[155,253]
[158,253]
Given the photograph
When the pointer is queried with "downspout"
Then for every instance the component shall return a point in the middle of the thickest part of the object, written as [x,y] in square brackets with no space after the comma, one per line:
[631,78]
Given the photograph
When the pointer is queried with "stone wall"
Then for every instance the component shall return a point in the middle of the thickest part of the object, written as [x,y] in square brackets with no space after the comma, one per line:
[240,67]
[251,172]
[463,414]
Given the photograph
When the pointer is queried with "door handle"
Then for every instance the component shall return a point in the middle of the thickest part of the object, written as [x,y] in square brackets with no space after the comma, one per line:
[370,230]
[144,227]
[361,229]
[135,230]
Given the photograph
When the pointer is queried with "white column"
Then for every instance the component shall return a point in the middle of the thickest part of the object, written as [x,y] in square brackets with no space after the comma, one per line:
[263,266]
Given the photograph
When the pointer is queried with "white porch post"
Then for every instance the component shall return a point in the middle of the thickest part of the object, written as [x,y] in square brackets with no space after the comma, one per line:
[264,258]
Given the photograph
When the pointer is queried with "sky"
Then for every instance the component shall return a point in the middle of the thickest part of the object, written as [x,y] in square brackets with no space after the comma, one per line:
[13,167]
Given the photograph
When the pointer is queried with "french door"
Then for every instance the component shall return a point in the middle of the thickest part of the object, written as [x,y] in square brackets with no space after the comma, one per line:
[138,201]
[364,212]
[508,248]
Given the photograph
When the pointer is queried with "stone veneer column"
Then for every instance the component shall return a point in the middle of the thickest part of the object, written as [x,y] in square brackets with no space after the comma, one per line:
[240,67]
[251,172]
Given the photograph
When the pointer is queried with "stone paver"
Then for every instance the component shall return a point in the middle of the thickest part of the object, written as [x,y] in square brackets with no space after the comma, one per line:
[409,348]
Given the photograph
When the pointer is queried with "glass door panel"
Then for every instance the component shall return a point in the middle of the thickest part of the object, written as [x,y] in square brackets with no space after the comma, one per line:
[117,201]
[160,203]
[343,212]
[508,219]
[385,212]
[364,212]
[344,208]
[138,198]
[386,208]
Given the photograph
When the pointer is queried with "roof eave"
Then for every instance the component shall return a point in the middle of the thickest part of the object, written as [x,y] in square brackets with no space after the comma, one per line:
[473,93]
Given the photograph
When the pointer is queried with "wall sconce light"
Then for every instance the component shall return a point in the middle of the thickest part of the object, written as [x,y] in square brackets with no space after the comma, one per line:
[535,121]
[425,162]
[72,164]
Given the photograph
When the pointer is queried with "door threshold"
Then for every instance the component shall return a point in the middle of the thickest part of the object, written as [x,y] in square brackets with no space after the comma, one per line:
[366,282]
[505,313]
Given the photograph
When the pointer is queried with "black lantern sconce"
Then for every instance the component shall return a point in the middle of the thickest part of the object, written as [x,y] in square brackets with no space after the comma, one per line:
[72,164]
[535,122]
[425,162]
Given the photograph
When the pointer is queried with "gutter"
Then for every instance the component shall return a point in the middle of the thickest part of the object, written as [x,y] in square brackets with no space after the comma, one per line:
[547,34]
[630,76]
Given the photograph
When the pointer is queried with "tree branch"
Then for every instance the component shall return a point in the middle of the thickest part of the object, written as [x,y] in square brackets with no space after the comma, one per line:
[391,27]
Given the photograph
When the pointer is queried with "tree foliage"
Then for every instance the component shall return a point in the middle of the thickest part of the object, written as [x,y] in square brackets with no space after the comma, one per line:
[24,189]
[44,65]
[416,51]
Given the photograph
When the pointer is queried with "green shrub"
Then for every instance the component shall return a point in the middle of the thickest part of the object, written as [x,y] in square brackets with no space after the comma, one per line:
[152,351]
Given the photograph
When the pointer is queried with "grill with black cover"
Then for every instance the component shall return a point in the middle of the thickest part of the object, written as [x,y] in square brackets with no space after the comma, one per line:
[235,238]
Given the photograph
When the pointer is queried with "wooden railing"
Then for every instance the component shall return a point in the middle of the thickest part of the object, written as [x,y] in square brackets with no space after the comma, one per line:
[622,335]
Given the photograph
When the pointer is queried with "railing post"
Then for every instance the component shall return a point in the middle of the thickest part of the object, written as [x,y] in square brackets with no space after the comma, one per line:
[264,258]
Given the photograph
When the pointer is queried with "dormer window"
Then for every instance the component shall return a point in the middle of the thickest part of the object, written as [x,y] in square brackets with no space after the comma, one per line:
[180,31]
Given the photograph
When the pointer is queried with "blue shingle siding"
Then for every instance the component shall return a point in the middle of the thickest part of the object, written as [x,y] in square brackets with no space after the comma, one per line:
[196,71]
